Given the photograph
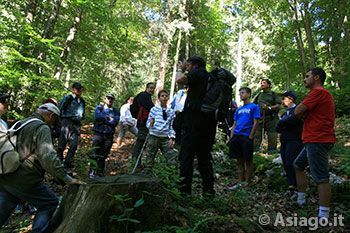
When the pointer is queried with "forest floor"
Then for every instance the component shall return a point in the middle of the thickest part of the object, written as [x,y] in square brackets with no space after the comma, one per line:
[260,207]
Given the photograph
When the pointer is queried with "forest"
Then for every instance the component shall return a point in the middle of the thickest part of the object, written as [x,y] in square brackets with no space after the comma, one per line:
[117,46]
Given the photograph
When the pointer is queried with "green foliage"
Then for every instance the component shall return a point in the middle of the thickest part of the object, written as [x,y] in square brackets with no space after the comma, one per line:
[167,174]
[197,227]
[18,225]
[125,217]
[341,101]
[83,162]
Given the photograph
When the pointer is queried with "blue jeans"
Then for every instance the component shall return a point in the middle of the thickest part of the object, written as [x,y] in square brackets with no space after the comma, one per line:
[315,155]
[41,197]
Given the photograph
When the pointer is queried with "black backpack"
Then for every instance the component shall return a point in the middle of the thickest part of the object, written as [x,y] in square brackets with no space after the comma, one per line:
[219,93]
[135,107]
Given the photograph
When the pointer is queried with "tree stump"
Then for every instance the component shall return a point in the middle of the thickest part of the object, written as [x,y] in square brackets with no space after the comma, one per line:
[91,207]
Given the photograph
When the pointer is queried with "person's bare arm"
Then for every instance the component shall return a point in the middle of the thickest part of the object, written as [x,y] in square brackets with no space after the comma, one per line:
[181,78]
[255,126]
[272,107]
[301,111]
[233,128]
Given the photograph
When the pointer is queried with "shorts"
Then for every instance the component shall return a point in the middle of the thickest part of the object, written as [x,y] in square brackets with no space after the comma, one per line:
[315,155]
[241,147]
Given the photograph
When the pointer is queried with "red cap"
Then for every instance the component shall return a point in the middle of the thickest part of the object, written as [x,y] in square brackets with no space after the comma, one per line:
[51,100]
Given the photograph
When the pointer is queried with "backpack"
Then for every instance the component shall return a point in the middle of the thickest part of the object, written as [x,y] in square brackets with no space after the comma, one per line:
[9,157]
[70,99]
[255,100]
[135,107]
[219,93]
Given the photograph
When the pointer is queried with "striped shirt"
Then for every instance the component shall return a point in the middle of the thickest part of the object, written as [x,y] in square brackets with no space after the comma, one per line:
[161,127]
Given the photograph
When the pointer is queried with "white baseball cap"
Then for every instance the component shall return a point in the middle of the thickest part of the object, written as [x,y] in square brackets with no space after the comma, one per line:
[50,107]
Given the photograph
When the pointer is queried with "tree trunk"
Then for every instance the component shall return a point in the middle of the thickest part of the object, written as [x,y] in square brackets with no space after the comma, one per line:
[187,50]
[239,64]
[339,15]
[347,37]
[307,25]
[163,58]
[51,22]
[47,34]
[188,6]
[122,203]
[162,66]
[298,37]
[176,61]
[285,60]
[30,10]
[69,42]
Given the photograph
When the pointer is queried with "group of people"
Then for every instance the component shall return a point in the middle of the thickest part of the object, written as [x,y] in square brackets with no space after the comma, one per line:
[306,135]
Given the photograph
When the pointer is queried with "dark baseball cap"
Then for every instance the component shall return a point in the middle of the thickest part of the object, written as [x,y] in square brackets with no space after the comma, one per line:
[77,85]
[110,96]
[289,93]
[4,96]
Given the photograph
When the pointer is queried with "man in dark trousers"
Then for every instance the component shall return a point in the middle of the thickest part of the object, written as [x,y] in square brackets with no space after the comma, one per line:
[145,101]
[198,127]
[72,109]
[106,119]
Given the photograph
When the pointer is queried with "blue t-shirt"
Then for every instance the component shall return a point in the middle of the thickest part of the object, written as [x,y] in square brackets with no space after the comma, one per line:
[244,117]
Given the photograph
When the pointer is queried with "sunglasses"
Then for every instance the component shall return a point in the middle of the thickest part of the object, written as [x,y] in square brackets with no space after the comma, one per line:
[165,116]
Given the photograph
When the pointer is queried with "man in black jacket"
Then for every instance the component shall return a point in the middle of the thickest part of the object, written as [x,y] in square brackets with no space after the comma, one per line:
[198,128]
[145,101]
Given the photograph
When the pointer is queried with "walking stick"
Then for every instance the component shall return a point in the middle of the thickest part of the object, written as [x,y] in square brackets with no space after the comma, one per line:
[141,152]
[263,133]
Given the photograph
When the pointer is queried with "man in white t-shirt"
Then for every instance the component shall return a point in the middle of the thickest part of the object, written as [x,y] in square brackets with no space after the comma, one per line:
[127,122]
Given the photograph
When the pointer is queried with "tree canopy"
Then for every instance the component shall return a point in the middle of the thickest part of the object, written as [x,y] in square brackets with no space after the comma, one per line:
[114,46]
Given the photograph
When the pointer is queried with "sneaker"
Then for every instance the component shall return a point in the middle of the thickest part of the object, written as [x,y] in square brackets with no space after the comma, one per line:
[31,209]
[235,186]
[69,172]
[92,175]
[19,208]
[239,185]
[291,194]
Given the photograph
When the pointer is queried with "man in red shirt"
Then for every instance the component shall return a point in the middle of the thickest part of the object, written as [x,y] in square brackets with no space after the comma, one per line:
[318,112]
